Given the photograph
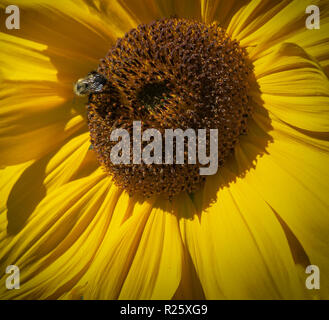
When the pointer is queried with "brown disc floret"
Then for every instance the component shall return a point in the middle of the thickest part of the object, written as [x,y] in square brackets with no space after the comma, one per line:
[169,74]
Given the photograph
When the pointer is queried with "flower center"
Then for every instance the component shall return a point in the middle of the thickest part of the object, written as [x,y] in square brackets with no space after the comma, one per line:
[153,95]
[170,74]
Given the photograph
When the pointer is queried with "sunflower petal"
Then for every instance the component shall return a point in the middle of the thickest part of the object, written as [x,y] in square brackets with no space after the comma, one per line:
[76,44]
[34,115]
[239,248]
[219,10]
[301,166]
[54,233]
[148,245]
[8,178]
[294,88]
[252,16]
[156,270]
[67,161]
[264,25]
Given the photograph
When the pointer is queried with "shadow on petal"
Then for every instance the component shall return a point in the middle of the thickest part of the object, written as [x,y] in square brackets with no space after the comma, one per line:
[25,195]
[30,189]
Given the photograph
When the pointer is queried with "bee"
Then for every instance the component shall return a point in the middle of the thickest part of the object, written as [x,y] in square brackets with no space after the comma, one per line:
[93,83]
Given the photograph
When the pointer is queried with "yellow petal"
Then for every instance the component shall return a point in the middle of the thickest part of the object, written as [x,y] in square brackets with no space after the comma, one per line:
[8,178]
[107,274]
[67,161]
[190,287]
[34,115]
[125,207]
[156,9]
[264,25]
[156,269]
[141,259]
[24,186]
[315,41]
[294,88]
[292,177]
[239,248]
[29,138]
[23,60]
[81,38]
[262,21]
[219,10]
[49,249]
[252,16]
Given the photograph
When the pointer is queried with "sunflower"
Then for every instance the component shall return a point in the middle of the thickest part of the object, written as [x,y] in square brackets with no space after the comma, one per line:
[79,228]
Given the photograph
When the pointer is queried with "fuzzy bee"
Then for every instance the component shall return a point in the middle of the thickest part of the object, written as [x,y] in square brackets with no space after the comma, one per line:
[93,83]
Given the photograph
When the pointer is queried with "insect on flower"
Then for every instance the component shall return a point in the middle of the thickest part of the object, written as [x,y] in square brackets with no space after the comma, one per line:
[92,83]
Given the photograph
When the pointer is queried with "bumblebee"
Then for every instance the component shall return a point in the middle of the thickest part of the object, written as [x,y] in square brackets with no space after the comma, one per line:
[93,83]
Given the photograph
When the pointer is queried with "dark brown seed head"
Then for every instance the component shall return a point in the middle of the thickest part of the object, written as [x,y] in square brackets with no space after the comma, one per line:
[169,74]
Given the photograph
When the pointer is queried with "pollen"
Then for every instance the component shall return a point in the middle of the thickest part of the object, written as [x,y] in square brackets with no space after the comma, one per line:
[169,74]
